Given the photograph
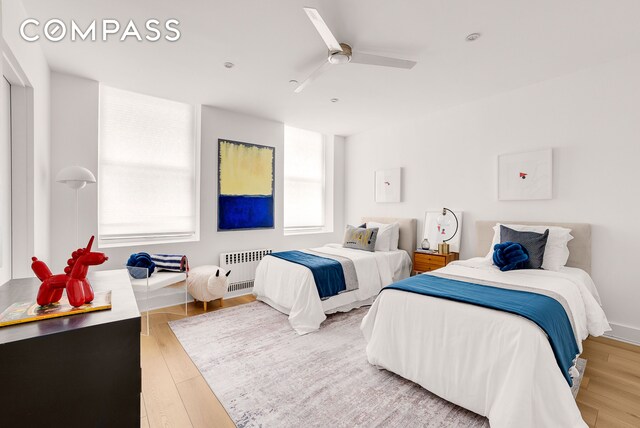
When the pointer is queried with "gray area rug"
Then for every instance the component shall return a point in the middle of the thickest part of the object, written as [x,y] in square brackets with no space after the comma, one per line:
[266,375]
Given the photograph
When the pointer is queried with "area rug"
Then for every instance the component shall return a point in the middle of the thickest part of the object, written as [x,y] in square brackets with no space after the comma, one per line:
[265,375]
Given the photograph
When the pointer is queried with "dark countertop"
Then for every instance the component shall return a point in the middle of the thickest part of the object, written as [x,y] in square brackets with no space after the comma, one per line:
[123,304]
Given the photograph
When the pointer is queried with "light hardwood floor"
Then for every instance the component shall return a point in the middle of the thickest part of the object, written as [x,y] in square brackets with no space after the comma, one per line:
[174,393]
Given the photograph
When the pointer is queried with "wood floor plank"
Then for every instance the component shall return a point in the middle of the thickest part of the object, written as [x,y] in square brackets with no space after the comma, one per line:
[605,386]
[608,420]
[611,405]
[626,396]
[590,354]
[616,343]
[630,366]
[589,414]
[162,400]
[612,372]
[202,405]
[613,350]
[179,363]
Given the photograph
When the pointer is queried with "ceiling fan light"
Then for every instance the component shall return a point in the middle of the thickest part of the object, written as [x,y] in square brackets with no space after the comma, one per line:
[339,58]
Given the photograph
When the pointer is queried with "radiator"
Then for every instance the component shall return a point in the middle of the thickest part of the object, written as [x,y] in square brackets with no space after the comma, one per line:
[242,265]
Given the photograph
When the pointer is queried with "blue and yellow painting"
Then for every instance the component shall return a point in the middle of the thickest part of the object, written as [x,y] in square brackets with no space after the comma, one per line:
[245,185]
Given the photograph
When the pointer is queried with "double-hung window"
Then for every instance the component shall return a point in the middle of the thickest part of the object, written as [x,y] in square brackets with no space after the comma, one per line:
[148,170]
[305,181]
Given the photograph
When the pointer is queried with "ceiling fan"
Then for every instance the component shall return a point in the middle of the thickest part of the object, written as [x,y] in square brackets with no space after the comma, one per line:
[341,53]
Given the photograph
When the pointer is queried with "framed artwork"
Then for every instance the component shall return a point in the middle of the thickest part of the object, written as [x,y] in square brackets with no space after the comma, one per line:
[437,235]
[388,183]
[525,176]
[245,186]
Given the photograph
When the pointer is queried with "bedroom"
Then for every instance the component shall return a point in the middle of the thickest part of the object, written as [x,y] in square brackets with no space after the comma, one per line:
[230,80]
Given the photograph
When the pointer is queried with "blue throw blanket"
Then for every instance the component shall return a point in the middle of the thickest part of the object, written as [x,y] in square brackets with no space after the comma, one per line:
[327,273]
[543,310]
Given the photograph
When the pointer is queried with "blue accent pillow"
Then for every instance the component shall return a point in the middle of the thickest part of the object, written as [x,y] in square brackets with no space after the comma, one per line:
[509,256]
[533,242]
[140,260]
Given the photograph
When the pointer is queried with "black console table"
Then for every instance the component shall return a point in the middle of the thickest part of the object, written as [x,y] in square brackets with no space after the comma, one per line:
[76,371]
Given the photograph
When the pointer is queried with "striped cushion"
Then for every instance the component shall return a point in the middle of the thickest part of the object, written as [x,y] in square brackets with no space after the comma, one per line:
[171,262]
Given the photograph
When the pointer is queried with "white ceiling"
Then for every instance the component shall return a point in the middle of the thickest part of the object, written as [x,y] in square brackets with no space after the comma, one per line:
[271,42]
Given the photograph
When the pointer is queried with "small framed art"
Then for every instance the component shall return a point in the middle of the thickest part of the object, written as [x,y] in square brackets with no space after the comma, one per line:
[388,183]
[525,176]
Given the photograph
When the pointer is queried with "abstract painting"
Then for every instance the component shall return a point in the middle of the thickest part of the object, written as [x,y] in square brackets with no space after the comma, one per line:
[525,176]
[245,186]
[388,183]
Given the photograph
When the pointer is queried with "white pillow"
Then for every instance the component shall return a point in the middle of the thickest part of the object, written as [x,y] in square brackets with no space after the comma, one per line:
[385,235]
[556,252]
[395,236]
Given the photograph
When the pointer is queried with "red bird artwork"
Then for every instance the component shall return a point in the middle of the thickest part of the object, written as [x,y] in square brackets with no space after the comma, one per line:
[523,175]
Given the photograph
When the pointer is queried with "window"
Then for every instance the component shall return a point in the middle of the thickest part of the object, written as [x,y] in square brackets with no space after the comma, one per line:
[305,208]
[148,170]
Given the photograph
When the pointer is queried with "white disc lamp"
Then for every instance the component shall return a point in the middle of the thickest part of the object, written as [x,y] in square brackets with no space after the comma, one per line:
[76,177]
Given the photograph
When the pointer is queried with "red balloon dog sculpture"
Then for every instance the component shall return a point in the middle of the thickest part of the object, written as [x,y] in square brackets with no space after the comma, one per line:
[74,278]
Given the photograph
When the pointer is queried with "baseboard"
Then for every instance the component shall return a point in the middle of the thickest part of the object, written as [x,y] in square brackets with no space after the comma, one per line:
[624,333]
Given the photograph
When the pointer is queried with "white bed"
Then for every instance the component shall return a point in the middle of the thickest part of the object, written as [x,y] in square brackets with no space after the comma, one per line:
[494,363]
[291,289]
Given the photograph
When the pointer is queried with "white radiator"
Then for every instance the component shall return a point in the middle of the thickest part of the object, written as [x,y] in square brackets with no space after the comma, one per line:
[242,265]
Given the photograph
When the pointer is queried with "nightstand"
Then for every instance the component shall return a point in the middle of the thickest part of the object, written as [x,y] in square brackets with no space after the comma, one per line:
[425,262]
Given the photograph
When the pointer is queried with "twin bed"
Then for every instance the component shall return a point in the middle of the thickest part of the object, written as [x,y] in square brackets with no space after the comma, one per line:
[290,288]
[484,356]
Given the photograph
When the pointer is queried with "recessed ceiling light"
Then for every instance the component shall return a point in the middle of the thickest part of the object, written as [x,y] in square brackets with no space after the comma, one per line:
[335,100]
[229,65]
[472,37]
[293,81]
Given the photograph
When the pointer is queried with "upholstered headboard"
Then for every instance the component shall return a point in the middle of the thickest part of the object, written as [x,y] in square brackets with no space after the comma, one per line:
[408,231]
[579,246]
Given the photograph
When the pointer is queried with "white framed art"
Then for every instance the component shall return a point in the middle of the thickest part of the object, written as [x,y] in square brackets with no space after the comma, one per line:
[525,176]
[388,183]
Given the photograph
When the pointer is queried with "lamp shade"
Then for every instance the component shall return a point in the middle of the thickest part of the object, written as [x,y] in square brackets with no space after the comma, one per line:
[75,177]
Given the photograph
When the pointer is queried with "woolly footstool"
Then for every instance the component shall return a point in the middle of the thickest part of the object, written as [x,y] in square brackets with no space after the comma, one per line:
[207,283]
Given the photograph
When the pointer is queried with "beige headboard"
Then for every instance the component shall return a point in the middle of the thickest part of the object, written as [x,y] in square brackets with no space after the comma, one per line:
[579,246]
[408,231]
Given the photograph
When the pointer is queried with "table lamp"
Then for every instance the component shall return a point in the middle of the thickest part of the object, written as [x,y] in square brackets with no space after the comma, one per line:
[444,223]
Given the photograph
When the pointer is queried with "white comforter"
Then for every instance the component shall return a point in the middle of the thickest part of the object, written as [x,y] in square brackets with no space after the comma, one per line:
[291,289]
[494,363]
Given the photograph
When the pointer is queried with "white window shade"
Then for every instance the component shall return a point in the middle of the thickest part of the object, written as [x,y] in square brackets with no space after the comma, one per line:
[147,176]
[304,179]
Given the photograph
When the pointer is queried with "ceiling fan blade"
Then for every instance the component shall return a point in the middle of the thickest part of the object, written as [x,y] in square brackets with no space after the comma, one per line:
[313,76]
[326,34]
[362,58]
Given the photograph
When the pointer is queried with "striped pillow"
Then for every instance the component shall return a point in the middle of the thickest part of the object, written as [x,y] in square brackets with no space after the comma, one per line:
[171,262]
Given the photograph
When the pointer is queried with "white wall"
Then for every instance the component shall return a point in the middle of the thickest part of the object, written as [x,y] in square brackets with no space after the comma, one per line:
[74,109]
[31,219]
[590,119]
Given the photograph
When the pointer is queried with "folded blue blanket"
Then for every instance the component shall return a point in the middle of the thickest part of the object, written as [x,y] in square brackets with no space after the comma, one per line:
[327,273]
[543,310]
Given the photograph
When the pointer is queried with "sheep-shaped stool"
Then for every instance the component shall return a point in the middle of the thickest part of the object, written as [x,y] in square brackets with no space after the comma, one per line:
[207,283]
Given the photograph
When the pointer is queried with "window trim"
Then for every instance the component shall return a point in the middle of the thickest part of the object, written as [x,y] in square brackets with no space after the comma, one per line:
[116,241]
[327,192]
